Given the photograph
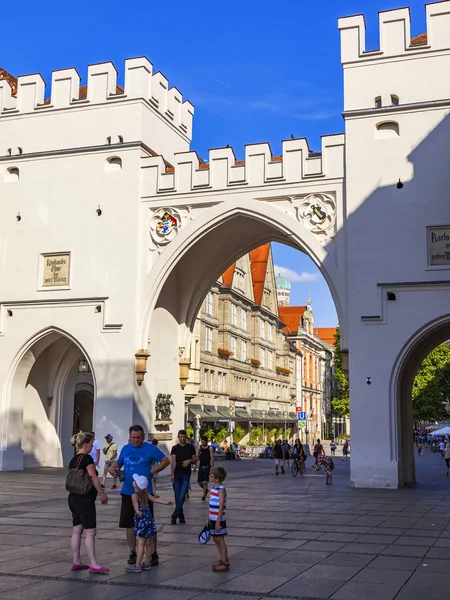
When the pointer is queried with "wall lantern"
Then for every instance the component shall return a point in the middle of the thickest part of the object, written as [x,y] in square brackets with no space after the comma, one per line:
[141,365]
[185,363]
[83,366]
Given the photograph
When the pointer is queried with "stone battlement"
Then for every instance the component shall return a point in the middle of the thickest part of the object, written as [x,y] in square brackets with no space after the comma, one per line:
[223,171]
[395,34]
[140,82]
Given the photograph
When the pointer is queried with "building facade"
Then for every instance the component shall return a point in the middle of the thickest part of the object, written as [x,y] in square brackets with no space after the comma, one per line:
[113,231]
[244,370]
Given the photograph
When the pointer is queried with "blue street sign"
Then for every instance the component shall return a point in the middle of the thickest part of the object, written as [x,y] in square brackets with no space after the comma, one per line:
[301,416]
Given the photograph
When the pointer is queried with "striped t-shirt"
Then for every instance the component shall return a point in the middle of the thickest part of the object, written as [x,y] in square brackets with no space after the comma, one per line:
[214,503]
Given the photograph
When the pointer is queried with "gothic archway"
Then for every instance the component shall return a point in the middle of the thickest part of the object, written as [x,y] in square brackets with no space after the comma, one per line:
[404,370]
[38,400]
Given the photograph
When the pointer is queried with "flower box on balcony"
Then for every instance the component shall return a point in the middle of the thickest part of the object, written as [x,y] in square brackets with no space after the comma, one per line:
[282,371]
[255,362]
[224,353]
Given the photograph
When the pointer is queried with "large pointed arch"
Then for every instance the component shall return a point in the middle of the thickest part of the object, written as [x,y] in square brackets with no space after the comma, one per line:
[270,224]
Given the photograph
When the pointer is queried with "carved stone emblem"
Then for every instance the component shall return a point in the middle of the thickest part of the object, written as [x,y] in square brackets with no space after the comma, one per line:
[318,213]
[164,225]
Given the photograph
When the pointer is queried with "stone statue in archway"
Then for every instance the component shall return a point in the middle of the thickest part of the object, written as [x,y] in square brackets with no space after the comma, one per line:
[163,407]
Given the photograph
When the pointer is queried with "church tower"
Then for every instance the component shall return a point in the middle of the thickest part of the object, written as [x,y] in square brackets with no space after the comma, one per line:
[283,290]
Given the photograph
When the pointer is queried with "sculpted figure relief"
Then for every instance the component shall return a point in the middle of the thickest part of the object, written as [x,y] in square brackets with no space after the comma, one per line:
[163,407]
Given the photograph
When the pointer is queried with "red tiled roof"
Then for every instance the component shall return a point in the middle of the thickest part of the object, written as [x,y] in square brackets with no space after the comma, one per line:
[228,275]
[291,316]
[326,334]
[259,257]
[419,40]
[10,79]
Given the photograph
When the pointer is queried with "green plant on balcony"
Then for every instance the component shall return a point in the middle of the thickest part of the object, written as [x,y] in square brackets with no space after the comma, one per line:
[255,362]
[224,353]
[282,371]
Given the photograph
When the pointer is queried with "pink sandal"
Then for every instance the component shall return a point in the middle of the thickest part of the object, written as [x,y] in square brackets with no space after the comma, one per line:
[98,569]
[79,567]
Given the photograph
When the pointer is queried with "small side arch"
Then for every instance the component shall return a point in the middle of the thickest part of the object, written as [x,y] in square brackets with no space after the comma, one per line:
[113,163]
[12,175]
[387,129]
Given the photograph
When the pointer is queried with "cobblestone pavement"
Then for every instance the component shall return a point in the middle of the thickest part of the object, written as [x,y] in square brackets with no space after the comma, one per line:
[288,538]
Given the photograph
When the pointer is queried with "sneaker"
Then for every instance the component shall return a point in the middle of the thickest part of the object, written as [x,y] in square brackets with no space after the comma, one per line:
[134,569]
[282,470]
[132,558]
[182,520]
[145,567]
[173,521]
[114,487]
[203,499]
[154,561]
[276,473]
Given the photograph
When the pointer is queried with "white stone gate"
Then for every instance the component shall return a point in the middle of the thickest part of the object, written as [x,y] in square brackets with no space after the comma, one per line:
[112,231]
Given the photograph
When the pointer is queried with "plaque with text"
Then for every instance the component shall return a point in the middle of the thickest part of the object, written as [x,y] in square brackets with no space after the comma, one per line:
[438,245]
[55,270]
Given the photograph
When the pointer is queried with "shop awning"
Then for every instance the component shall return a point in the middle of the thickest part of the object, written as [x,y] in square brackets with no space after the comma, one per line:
[196,409]
[212,413]
[242,415]
[225,413]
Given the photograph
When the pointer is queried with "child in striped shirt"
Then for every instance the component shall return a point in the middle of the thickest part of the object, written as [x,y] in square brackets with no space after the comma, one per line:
[217,516]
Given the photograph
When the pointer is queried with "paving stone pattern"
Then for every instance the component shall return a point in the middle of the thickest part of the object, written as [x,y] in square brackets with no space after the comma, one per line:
[288,538]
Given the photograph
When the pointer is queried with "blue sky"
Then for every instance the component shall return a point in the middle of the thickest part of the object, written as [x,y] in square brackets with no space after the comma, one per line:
[256,70]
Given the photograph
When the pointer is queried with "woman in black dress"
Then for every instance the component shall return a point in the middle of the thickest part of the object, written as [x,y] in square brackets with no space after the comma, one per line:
[83,507]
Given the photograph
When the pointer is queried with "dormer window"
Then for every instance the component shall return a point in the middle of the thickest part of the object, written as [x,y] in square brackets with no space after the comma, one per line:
[378,103]
[395,101]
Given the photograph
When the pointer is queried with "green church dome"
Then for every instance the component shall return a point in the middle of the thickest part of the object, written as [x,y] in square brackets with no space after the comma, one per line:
[282,283]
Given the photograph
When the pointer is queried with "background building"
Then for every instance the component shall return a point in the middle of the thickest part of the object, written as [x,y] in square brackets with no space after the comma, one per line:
[244,369]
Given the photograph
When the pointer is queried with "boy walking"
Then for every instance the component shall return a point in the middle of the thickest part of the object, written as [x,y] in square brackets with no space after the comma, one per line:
[217,516]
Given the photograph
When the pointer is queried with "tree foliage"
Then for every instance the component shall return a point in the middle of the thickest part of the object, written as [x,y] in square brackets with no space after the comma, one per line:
[431,387]
[341,400]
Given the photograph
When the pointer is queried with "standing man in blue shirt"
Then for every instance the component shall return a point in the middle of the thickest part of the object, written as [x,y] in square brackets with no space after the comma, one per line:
[138,457]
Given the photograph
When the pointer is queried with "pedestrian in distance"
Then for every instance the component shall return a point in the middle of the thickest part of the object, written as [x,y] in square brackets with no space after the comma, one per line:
[278,457]
[333,447]
[110,452]
[318,451]
[287,452]
[206,463]
[442,447]
[327,462]
[82,507]
[182,455]
[155,442]
[95,452]
[144,524]
[345,450]
[217,516]
[447,456]
[137,457]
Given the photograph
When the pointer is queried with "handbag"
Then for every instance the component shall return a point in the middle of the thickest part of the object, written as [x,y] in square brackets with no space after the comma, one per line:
[78,481]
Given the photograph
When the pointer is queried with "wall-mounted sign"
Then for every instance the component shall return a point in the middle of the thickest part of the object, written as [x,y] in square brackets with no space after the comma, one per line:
[55,270]
[438,239]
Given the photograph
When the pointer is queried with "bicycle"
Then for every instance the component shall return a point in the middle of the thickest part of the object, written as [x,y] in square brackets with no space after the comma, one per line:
[298,466]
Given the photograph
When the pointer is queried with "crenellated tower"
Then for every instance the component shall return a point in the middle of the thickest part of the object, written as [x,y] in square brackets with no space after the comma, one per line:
[72,116]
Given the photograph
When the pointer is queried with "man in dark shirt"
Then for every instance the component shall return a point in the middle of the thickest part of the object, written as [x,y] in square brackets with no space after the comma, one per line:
[182,456]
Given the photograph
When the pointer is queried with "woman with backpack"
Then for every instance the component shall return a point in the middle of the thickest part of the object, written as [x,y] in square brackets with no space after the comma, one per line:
[83,485]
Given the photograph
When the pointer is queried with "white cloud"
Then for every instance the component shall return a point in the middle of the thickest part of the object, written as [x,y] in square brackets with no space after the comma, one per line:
[295,277]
